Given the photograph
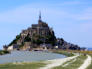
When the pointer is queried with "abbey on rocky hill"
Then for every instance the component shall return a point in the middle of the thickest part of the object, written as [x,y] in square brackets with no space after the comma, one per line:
[39,36]
[41,29]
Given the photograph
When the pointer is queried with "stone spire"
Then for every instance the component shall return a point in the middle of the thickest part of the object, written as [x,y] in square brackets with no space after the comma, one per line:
[40,15]
[40,22]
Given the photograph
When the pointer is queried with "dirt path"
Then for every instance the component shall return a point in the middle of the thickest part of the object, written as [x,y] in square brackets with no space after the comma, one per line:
[86,63]
[57,62]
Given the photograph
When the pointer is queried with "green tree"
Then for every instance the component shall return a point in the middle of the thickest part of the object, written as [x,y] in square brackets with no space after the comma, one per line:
[15,40]
[27,39]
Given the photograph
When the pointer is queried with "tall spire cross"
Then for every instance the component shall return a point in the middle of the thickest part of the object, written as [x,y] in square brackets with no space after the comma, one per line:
[40,15]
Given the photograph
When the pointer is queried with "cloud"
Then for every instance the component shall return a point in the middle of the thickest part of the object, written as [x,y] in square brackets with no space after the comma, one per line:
[83,15]
[28,13]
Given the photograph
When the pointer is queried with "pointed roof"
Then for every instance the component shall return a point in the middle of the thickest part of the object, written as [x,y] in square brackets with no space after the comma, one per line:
[40,15]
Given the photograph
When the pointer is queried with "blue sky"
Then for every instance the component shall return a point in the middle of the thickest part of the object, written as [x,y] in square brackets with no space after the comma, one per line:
[70,19]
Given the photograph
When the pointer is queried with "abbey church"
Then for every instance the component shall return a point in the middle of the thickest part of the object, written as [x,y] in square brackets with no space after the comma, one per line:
[41,29]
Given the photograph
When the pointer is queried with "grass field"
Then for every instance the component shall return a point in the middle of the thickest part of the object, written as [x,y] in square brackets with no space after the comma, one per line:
[74,65]
[68,54]
[33,65]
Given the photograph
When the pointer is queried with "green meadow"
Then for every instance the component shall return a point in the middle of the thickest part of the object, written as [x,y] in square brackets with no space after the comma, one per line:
[34,65]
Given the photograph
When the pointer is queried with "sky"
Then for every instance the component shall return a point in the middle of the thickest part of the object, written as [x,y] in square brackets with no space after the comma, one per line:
[70,19]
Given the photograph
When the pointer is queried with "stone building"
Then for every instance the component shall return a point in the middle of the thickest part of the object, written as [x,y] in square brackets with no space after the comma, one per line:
[13,47]
[41,29]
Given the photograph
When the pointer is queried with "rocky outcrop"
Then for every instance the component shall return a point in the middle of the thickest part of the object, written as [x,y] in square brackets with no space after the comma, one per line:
[62,44]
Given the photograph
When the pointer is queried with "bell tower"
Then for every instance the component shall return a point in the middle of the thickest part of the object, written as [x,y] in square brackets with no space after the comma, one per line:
[40,16]
[40,20]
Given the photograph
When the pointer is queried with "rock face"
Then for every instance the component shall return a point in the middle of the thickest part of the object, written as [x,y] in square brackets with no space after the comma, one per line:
[62,44]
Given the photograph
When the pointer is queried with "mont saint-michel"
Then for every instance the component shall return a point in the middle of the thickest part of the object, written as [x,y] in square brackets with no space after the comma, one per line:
[45,34]
[39,37]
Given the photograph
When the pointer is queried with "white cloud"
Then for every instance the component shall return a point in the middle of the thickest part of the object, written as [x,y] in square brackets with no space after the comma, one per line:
[28,13]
